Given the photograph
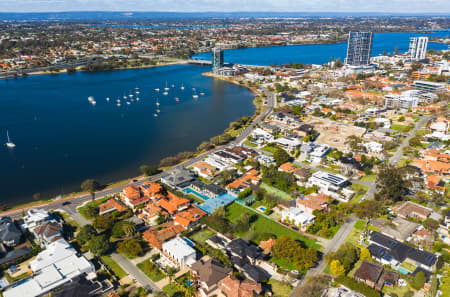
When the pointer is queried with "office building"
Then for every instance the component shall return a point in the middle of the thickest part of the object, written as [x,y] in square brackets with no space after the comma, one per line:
[417,48]
[217,59]
[359,48]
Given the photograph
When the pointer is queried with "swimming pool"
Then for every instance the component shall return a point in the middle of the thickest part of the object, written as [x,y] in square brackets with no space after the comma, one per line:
[261,208]
[191,191]
[402,271]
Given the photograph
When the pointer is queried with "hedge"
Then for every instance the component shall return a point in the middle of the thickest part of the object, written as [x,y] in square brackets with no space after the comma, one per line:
[357,286]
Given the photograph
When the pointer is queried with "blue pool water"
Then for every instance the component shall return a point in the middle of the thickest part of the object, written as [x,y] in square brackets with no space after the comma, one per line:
[262,208]
[402,271]
[191,191]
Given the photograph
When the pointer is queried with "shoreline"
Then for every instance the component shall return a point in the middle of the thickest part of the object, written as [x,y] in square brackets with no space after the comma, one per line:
[74,195]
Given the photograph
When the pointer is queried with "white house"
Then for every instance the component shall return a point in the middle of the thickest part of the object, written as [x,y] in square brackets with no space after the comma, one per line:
[179,252]
[297,217]
[265,160]
[262,136]
[318,152]
[34,218]
[52,268]
[331,184]
[373,147]
[289,143]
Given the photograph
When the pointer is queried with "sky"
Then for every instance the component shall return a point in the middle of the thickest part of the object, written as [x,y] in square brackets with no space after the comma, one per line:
[393,6]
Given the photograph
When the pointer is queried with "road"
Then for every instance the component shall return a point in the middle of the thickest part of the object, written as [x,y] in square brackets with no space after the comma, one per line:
[399,153]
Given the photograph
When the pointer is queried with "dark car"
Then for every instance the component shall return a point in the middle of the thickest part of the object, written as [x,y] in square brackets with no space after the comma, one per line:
[66,203]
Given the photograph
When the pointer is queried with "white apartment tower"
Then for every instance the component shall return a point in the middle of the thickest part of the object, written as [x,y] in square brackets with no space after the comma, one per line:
[417,48]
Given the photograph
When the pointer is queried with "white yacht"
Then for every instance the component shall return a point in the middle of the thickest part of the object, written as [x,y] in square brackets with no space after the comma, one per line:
[107,99]
[195,96]
[9,143]
[166,93]
[166,88]
[90,98]
[157,89]
[182,87]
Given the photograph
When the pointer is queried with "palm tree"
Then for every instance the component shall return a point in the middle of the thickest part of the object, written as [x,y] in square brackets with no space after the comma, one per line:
[91,186]
[170,273]
[190,291]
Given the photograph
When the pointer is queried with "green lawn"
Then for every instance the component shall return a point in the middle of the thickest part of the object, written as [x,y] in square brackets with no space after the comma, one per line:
[280,289]
[269,149]
[360,225]
[283,263]
[202,235]
[353,236]
[331,170]
[172,291]
[263,224]
[370,177]
[274,191]
[96,203]
[360,191]
[400,291]
[154,276]
[355,267]
[113,266]
[250,144]
[400,128]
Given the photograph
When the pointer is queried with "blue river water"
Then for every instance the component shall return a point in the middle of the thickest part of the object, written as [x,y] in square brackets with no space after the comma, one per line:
[319,53]
[61,139]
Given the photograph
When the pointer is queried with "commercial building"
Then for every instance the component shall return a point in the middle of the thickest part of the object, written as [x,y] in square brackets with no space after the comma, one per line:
[359,48]
[417,48]
[427,86]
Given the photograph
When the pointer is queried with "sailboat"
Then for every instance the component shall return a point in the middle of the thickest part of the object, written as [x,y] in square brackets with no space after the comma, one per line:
[158,111]
[9,144]
[155,115]
[182,87]
[166,93]
[157,102]
[157,89]
[107,99]
[166,88]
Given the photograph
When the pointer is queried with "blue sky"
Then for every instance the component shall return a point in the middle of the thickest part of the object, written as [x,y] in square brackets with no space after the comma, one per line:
[397,6]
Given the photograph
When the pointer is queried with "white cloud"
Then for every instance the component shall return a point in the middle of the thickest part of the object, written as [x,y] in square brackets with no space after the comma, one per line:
[406,6]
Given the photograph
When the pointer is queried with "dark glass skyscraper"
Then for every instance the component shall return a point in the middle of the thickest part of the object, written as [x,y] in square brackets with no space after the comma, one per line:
[217,58]
[359,48]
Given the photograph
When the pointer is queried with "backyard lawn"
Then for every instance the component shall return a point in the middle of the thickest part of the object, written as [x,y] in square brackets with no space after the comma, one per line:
[370,177]
[172,291]
[400,291]
[263,224]
[202,235]
[283,263]
[113,266]
[155,275]
[360,191]
[400,128]
[354,235]
[280,289]
[274,191]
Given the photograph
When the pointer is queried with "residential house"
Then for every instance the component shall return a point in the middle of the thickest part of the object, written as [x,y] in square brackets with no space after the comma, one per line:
[152,190]
[331,184]
[132,196]
[218,241]
[262,136]
[266,245]
[289,143]
[211,205]
[375,276]
[157,235]
[244,256]
[302,175]
[177,178]
[389,251]
[47,232]
[373,147]
[34,217]
[270,128]
[304,130]
[179,252]
[233,287]
[150,214]
[208,274]
[413,210]
[209,190]
[287,167]
[10,235]
[312,202]
[173,204]
[190,217]
[444,227]
[297,217]
[242,183]
[265,160]
[52,268]
[205,170]
[286,118]
[110,206]
[228,157]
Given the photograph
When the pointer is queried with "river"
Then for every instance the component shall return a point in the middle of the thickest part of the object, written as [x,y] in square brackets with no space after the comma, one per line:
[319,53]
[61,139]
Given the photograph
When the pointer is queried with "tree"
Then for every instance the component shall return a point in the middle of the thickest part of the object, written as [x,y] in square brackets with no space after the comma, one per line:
[129,229]
[99,245]
[391,184]
[419,280]
[289,249]
[86,233]
[313,287]
[431,224]
[347,254]
[103,222]
[91,211]
[354,142]
[365,254]
[171,272]
[91,186]
[130,247]
[148,170]
[367,209]
[337,268]
[280,156]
